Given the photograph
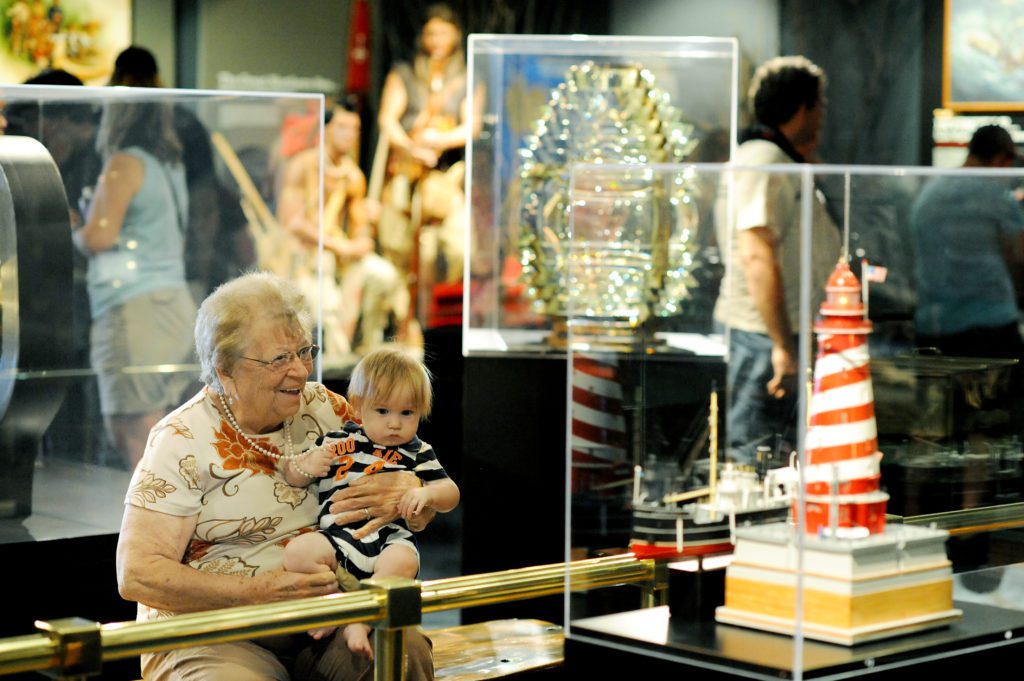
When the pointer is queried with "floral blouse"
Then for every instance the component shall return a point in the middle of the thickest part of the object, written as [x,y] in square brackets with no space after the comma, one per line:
[196,464]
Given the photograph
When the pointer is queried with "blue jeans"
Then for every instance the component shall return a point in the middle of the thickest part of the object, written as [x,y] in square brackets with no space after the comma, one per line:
[755,417]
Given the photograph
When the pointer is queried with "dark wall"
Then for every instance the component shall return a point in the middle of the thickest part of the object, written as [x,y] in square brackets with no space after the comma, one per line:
[873,53]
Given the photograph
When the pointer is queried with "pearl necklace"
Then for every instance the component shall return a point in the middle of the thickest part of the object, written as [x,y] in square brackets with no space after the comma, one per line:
[289,449]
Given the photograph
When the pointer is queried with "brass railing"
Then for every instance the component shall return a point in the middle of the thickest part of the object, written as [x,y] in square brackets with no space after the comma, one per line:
[77,648]
[973,520]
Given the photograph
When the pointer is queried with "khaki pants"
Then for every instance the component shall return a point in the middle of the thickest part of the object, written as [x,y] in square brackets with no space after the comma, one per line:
[296,657]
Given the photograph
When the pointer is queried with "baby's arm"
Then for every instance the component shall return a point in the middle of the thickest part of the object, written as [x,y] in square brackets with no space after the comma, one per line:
[439,495]
[314,464]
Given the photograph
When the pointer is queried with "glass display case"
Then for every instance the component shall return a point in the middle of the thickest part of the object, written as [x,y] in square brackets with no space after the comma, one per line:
[62,476]
[855,528]
[539,104]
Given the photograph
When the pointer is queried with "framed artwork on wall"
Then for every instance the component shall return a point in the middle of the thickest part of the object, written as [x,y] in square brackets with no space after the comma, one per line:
[983,55]
[82,37]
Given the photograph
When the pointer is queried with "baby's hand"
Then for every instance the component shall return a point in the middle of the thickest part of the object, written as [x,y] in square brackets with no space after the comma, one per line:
[316,462]
[414,501]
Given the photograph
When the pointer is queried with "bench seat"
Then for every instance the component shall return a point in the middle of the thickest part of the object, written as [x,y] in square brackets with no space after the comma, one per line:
[496,649]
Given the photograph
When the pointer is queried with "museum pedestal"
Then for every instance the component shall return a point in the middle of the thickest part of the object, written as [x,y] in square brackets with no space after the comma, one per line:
[651,644]
[513,477]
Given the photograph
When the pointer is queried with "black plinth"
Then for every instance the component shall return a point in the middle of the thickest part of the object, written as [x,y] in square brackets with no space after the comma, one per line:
[696,587]
[513,486]
[650,644]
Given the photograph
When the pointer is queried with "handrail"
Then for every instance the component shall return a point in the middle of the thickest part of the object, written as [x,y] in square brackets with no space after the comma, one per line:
[973,520]
[533,582]
[118,640]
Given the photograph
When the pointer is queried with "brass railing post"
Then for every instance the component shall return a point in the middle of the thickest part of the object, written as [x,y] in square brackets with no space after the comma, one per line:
[402,609]
[655,592]
[79,647]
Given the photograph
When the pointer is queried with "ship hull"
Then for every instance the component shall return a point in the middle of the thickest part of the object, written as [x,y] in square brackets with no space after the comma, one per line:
[656,530]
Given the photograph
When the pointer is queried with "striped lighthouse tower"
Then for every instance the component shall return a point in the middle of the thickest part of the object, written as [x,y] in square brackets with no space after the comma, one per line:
[843,462]
[598,423]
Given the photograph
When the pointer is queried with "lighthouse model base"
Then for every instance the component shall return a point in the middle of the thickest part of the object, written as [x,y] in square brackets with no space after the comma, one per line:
[854,590]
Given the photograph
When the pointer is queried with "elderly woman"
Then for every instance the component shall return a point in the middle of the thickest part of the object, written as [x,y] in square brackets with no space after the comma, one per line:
[209,512]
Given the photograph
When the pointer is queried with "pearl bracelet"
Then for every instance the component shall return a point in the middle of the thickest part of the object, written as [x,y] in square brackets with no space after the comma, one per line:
[295,467]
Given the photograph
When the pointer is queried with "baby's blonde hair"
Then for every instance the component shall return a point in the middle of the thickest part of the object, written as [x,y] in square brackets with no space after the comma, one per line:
[389,368]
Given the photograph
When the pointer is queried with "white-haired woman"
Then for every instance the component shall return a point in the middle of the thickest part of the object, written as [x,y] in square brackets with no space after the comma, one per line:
[209,512]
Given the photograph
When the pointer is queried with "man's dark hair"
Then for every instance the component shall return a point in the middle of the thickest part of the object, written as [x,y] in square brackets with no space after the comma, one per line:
[989,142]
[135,67]
[781,85]
[54,77]
[348,102]
[23,116]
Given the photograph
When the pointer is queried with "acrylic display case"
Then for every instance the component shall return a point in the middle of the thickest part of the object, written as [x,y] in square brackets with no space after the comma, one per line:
[660,463]
[541,104]
[62,477]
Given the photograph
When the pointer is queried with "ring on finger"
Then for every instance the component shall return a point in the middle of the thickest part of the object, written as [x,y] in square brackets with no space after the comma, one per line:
[366,512]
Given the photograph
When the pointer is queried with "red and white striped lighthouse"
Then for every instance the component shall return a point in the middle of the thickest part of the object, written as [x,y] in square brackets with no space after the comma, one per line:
[599,452]
[842,471]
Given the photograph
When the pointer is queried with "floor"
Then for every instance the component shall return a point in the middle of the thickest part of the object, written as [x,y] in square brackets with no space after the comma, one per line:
[74,499]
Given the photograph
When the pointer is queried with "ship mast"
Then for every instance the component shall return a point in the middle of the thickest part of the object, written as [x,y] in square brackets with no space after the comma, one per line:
[708,491]
[713,443]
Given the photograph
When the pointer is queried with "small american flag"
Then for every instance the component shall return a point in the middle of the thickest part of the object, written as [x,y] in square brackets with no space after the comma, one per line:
[875,273]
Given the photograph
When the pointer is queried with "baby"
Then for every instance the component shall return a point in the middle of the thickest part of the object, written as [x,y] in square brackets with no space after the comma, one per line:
[389,392]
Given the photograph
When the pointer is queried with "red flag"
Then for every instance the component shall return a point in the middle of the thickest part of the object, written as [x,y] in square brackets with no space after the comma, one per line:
[358,78]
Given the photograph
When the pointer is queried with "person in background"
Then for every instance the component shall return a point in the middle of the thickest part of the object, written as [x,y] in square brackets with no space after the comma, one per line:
[969,241]
[760,233]
[67,127]
[363,296]
[968,237]
[217,243]
[133,236]
[423,117]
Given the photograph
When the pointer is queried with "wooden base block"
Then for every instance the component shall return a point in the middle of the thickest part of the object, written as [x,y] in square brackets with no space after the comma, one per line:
[839,610]
[843,636]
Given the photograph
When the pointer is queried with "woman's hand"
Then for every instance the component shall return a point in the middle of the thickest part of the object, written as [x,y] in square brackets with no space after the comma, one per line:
[149,570]
[375,498]
[281,585]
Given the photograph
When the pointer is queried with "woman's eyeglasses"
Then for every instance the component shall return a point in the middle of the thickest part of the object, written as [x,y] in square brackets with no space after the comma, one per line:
[306,355]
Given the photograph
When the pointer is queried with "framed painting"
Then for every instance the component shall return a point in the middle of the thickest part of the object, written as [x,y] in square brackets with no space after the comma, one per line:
[983,55]
[82,37]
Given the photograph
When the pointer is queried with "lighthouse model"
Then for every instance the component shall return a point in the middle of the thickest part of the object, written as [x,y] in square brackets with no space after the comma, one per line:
[843,462]
[860,579]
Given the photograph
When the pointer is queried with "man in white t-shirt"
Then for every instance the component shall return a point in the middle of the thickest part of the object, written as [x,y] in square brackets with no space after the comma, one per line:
[758,219]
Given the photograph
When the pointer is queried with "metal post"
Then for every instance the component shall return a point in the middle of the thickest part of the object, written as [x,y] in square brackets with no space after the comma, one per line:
[402,609]
[389,654]
[79,647]
[655,592]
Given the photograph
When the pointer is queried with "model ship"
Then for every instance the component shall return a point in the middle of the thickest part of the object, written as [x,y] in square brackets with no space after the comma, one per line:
[855,578]
[704,521]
